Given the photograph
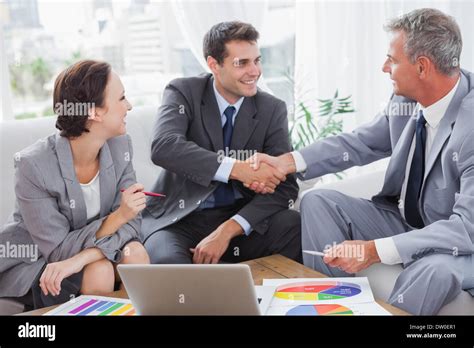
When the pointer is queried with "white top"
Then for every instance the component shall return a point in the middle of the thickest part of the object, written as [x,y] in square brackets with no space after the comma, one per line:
[91,193]
[433,114]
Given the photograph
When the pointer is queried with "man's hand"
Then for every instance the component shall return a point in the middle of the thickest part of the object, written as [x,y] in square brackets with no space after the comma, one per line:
[284,163]
[352,256]
[211,248]
[266,175]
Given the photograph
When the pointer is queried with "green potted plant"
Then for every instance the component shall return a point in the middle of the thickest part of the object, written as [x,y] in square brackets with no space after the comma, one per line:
[308,126]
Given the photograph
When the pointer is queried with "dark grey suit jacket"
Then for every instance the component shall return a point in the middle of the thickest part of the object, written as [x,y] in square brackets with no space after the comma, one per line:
[187,136]
[50,213]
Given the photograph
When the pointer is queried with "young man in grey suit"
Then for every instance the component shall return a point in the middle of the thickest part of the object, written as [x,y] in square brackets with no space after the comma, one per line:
[424,216]
[207,127]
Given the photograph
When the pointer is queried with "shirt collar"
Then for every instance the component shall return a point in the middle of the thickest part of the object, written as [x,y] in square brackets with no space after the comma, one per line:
[435,112]
[223,104]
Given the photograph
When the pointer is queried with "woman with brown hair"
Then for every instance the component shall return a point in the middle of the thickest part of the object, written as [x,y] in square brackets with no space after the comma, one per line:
[69,207]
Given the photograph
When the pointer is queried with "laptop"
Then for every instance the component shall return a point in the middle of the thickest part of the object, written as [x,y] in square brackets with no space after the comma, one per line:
[217,289]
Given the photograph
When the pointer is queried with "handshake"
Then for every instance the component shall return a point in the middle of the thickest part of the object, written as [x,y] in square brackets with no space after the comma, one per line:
[262,173]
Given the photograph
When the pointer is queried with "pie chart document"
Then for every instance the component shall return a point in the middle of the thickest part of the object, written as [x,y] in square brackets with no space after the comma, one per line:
[322,296]
[370,308]
[307,291]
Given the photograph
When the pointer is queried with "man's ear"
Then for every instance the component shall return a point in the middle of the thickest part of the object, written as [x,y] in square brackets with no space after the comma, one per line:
[212,64]
[424,67]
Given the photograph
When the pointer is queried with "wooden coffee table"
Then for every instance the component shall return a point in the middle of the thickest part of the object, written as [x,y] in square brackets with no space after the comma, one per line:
[269,267]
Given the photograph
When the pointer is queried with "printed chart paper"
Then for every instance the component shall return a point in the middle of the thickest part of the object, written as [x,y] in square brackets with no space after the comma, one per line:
[298,291]
[264,297]
[94,306]
[371,308]
[322,296]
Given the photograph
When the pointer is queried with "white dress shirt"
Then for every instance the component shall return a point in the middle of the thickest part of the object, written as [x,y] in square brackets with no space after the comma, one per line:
[433,114]
[223,172]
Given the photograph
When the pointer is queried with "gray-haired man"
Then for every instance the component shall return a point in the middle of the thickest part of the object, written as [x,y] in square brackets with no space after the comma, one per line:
[424,216]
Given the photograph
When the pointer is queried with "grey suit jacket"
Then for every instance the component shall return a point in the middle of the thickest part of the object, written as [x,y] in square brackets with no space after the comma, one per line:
[447,196]
[186,138]
[50,213]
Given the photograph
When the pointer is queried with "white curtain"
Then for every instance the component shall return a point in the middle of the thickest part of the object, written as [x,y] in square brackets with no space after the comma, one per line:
[342,45]
[195,18]
[6,112]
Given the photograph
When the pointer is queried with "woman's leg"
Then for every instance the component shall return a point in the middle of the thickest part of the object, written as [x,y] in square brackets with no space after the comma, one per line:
[133,253]
[98,278]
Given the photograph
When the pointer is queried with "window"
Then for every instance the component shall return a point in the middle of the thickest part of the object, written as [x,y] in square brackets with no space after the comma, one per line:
[141,39]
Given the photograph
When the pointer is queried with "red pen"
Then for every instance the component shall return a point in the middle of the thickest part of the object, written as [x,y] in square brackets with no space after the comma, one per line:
[150,193]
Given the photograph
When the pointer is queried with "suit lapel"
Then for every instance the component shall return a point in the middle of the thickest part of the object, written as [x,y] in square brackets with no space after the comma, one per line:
[108,181]
[73,189]
[446,125]
[245,124]
[211,117]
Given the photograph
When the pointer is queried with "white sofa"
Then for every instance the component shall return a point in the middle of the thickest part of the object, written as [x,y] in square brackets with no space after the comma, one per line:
[16,135]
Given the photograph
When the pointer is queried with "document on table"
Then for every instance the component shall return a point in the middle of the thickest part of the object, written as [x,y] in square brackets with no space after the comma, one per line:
[371,308]
[323,296]
[94,306]
[264,297]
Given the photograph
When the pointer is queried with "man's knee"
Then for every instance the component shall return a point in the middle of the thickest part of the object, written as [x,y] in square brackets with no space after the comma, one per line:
[287,220]
[284,234]
[318,199]
[151,245]
[168,258]
[163,250]
[435,275]
[441,273]
[438,267]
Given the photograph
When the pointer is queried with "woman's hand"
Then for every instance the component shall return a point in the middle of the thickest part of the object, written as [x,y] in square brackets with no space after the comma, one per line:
[54,273]
[133,202]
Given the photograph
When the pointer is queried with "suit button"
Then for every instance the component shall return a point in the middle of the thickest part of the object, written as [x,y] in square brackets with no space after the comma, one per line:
[198,202]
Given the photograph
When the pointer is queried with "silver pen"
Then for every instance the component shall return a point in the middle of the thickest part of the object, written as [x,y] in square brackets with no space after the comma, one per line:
[318,253]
